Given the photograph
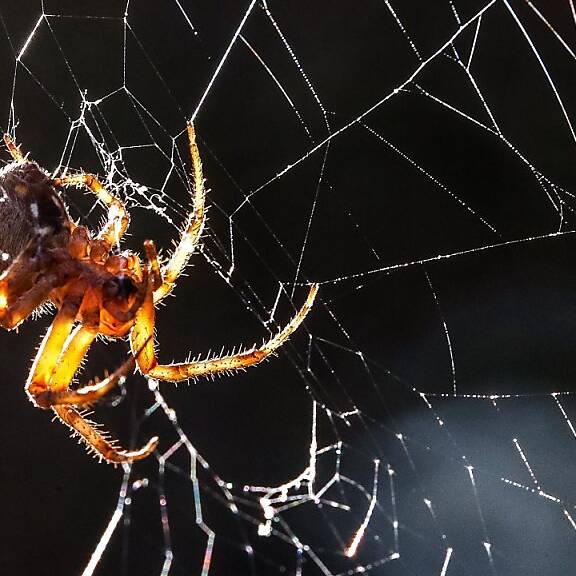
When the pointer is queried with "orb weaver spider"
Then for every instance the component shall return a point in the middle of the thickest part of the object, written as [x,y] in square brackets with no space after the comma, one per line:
[96,292]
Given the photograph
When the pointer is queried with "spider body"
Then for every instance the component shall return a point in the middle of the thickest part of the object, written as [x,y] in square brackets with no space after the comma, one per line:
[96,292]
[30,205]
[39,228]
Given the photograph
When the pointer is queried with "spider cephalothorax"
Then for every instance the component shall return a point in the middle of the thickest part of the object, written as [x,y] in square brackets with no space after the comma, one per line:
[96,292]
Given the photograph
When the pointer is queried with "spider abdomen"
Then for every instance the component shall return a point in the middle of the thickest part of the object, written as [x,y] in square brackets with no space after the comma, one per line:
[29,205]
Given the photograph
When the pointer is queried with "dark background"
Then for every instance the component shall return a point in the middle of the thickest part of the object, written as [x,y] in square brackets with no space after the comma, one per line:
[378,333]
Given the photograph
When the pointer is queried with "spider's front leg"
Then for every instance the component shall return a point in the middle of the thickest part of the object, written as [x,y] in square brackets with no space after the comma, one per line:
[23,287]
[192,229]
[13,149]
[15,308]
[118,217]
[58,359]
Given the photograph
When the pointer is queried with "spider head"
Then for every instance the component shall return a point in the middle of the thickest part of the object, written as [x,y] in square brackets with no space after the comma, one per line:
[122,295]
[120,288]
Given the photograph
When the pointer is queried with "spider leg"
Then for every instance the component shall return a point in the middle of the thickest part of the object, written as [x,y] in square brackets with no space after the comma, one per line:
[15,312]
[26,284]
[57,360]
[23,287]
[53,342]
[97,442]
[89,394]
[118,217]
[193,227]
[76,348]
[13,149]
[15,307]
[144,328]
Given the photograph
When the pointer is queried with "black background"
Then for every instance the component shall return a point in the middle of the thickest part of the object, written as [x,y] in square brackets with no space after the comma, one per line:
[509,309]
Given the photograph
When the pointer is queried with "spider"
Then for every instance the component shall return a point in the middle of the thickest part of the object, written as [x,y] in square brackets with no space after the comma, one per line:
[97,291]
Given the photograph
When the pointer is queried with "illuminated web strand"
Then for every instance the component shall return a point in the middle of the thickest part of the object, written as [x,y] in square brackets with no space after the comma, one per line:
[394,505]
[164,519]
[551,28]
[223,60]
[573,10]
[278,84]
[103,543]
[570,519]
[564,414]
[442,186]
[474,42]
[193,476]
[543,67]
[403,30]
[487,543]
[299,67]
[498,132]
[186,17]
[425,499]
[310,219]
[447,256]
[455,12]
[472,80]
[542,180]
[446,331]
[526,464]
[29,39]
[447,558]
[371,109]
[310,87]
[276,494]
[359,535]
[117,515]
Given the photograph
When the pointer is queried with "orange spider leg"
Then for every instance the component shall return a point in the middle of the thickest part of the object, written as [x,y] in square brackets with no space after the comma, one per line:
[13,149]
[59,399]
[12,313]
[74,351]
[21,275]
[97,442]
[152,257]
[142,333]
[193,227]
[57,361]
[118,218]
[53,342]
[91,393]
[148,364]
[21,291]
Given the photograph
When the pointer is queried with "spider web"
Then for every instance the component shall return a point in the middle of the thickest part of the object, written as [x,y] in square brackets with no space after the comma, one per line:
[416,159]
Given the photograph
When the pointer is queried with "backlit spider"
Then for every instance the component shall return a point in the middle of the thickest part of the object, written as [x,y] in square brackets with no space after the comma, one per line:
[95,291]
